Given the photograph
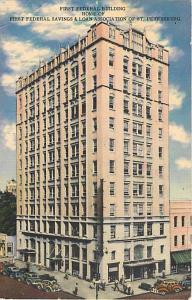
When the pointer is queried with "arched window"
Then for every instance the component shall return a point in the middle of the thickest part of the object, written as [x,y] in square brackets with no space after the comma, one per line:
[138,252]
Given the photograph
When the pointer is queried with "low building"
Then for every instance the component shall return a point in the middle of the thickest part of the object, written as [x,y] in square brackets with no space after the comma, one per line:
[11,187]
[7,245]
[181,235]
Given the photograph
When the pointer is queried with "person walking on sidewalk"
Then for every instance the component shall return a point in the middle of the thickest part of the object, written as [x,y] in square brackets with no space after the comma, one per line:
[75,292]
[116,285]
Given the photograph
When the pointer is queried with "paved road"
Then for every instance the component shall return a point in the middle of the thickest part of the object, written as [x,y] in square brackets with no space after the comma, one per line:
[184,295]
[11,288]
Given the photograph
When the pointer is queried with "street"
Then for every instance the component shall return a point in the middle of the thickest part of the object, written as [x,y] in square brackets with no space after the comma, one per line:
[184,295]
[11,288]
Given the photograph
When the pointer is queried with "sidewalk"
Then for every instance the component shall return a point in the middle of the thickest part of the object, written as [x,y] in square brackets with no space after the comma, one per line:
[87,293]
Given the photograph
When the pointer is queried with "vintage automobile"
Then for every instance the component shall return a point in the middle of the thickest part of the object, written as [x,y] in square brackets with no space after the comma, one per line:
[47,277]
[21,275]
[145,286]
[166,286]
[31,278]
[10,271]
[186,282]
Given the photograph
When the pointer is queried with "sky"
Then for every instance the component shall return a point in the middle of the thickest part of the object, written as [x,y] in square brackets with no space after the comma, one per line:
[23,44]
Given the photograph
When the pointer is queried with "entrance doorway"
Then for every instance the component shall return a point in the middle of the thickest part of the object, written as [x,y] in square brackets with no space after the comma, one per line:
[113,272]
[138,272]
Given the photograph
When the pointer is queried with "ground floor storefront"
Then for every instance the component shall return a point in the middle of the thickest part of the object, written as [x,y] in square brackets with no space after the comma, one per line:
[181,261]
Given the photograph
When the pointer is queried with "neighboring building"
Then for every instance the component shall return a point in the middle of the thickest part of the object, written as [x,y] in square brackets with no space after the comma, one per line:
[11,187]
[92,158]
[181,235]
[7,245]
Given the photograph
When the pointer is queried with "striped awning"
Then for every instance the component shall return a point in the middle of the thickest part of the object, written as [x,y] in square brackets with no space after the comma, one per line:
[182,257]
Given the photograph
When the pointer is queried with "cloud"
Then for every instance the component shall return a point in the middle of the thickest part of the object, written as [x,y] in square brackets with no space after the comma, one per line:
[176,97]
[177,133]
[8,135]
[25,56]
[10,7]
[183,163]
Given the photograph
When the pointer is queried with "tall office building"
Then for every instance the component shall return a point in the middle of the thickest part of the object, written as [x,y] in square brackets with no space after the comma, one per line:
[92,158]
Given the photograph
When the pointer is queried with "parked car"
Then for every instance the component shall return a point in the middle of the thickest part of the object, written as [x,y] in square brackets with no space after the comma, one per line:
[167,286]
[11,271]
[186,282]
[21,274]
[47,277]
[145,286]
[31,278]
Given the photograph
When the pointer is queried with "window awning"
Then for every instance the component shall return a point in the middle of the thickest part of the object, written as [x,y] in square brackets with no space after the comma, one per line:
[182,257]
[139,263]
[27,251]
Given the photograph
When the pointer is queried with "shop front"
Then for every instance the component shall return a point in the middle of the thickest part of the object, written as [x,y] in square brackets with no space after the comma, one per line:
[113,272]
[181,261]
[139,270]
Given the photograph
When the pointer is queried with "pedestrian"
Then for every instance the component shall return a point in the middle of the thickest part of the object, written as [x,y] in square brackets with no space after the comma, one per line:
[116,285]
[129,289]
[124,287]
[75,292]
[163,274]
[122,280]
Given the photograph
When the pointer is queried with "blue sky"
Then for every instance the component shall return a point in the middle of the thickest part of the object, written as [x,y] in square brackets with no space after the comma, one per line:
[23,44]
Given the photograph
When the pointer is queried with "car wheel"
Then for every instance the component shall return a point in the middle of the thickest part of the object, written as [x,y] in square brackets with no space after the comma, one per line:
[163,293]
[177,290]
[48,289]
[27,282]
[39,287]
[19,279]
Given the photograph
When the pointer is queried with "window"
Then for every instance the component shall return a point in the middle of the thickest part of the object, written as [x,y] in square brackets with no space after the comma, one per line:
[160,53]
[148,112]
[161,209]
[183,240]
[148,130]
[161,228]
[175,240]
[112,188]
[161,190]
[111,122]
[126,167]
[149,209]
[94,82]
[149,190]
[149,170]
[126,188]
[137,109]
[160,133]
[137,128]
[137,89]
[160,96]
[126,106]
[126,208]
[111,166]
[126,230]
[138,209]
[175,221]
[111,56]
[137,169]
[94,124]
[112,210]
[148,92]
[113,231]
[95,210]
[148,149]
[183,221]
[74,72]
[160,114]
[94,188]
[126,254]
[111,81]
[95,145]
[94,167]
[162,248]
[137,149]
[112,255]
[111,144]
[111,32]
[94,57]
[160,171]
[149,251]
[160,71]
[111,101]
[94,101]
[137,69]
[125,86]
[148,72]
[126,146]
[138,229]
[160,152]
[138,189]
[125,64]
[126,126]
[94,34]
